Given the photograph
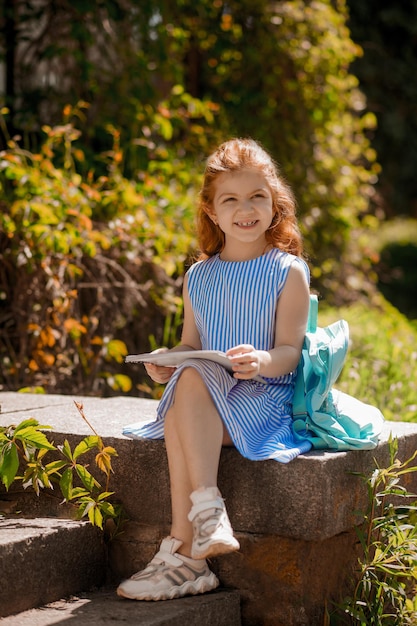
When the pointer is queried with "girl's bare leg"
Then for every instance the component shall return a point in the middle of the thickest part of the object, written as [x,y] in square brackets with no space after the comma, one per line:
[194,434]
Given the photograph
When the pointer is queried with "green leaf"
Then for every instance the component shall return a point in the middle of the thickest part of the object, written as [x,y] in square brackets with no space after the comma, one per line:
[90,442]
[54,467]
[44,478]
[33,437]
[120,382]
[39,390]
[98,517]
[4,440]
[31,423]
[85,507]
[104,495]
[9,464]
[79,492]
[87,479]
[117,350]
[66,483]
[66,450]
[108,509]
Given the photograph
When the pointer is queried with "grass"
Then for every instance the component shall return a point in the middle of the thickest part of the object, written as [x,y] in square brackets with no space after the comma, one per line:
[381,367]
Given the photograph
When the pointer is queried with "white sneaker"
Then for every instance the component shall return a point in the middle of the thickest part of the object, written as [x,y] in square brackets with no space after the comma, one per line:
[213,533]
[169,575]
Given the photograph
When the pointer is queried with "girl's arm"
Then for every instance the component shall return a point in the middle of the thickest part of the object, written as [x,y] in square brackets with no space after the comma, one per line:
[290,328]
[190,340]
[190,337]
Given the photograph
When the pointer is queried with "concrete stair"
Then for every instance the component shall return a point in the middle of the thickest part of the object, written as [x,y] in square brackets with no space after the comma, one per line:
[48,563]
[56,570]
[44,559]
[295,523]
[101,607]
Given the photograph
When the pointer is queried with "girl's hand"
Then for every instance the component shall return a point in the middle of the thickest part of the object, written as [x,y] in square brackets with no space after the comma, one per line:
[246,361]
[159,373]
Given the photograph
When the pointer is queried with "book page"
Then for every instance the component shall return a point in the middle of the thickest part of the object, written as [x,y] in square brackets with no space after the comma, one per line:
[173,359]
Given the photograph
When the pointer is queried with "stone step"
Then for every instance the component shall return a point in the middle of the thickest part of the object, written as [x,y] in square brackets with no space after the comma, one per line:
[44,559]
[298,493]
[98,608]
[295,522]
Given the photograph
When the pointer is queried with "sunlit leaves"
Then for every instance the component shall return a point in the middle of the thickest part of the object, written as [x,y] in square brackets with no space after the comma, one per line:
[66,483]
[385,593]
[9,462]
[88,443]
[73,215]
[27,441]
[116,350]
[27,446]
[120,382]
[47,218]
[104,459]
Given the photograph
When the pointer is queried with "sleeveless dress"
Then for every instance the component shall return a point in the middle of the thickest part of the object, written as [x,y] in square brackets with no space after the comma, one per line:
[235,303]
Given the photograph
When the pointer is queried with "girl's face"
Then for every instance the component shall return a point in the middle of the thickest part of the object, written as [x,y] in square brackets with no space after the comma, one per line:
[242,208]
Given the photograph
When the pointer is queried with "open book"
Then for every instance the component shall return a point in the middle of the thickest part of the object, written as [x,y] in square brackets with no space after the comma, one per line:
[173,359]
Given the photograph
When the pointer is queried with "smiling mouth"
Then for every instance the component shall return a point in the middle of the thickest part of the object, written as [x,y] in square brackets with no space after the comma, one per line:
[245,224]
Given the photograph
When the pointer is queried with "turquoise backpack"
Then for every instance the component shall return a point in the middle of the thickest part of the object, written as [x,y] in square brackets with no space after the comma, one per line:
[329,418]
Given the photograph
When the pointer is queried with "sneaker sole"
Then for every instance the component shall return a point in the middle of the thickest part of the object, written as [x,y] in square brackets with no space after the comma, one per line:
[214,549]
[189,588]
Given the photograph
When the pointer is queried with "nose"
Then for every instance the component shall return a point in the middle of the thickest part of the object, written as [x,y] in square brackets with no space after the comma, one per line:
[246,205]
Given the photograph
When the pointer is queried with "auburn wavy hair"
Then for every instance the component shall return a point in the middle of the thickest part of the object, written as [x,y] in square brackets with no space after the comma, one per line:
[233,156]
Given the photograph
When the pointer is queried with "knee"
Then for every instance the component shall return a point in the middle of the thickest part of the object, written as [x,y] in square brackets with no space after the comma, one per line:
[190,381]
[189,375]
[191,390]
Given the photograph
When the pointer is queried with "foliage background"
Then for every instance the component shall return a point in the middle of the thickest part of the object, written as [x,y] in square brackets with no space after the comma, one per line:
[110,109]
[386,32]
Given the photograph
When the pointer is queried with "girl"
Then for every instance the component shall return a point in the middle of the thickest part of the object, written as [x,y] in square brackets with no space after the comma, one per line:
[247,296]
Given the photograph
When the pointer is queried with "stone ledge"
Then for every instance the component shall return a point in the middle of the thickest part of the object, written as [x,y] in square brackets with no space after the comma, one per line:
[314,497]
[295,522]
[45,559]
[102,607]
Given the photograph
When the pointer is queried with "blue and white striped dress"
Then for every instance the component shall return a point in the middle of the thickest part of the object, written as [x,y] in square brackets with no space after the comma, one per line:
[235,303]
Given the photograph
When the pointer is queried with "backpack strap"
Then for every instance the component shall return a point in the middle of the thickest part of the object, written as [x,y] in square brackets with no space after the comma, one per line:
[313,314]
[299,400]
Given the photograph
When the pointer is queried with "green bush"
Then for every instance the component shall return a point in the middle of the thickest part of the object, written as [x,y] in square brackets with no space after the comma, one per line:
[163,72]
[281,72]
[91,268]
[89,265]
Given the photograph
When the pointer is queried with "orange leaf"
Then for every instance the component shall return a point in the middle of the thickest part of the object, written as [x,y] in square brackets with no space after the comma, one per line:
[47,337]
[72,325]
[33,366]
[44,358]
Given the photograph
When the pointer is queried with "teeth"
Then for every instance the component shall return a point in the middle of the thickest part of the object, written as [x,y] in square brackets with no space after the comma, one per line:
[246,223]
